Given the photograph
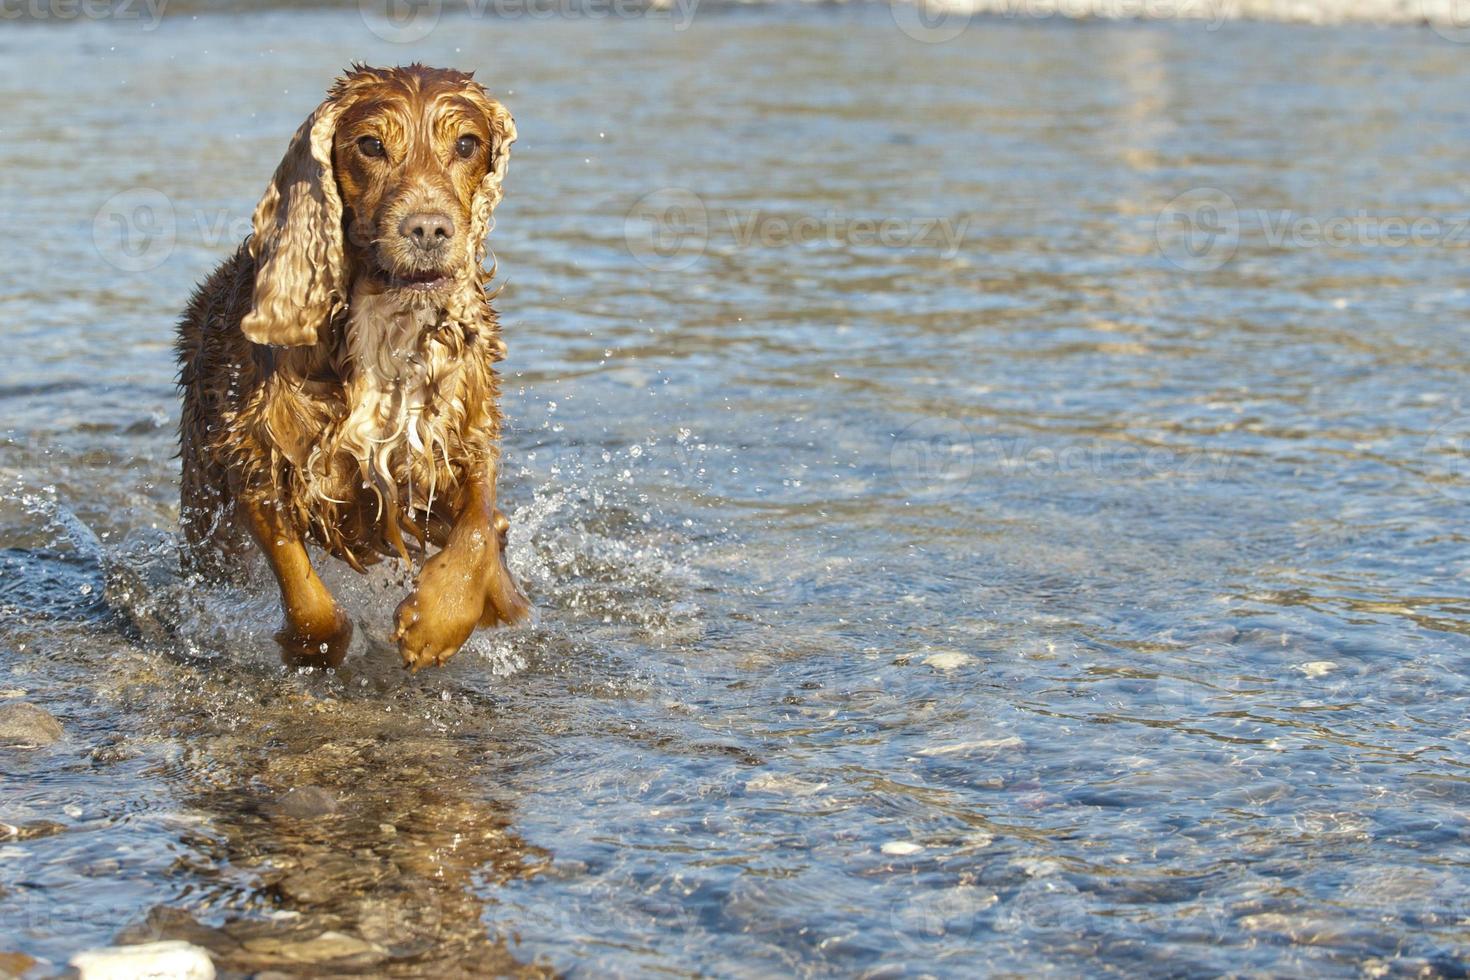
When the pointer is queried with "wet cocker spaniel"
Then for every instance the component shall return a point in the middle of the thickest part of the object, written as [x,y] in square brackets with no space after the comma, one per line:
[338,371]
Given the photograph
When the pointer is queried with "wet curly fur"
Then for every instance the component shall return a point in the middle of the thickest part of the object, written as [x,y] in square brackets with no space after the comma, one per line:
[337,377]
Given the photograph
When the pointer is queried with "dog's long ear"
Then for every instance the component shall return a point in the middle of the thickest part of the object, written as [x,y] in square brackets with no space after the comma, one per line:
[299,266]
[502,135]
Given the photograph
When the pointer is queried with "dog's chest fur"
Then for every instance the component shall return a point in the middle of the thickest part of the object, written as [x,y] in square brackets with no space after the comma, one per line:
[404,396]
[395,427]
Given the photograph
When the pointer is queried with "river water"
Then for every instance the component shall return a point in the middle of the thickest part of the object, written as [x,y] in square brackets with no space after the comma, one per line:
[995,505]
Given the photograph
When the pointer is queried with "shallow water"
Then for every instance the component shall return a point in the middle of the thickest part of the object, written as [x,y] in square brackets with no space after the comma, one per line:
[1074,595]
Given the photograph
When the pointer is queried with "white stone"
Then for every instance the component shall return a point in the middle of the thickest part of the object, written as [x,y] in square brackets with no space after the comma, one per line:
[901,848]
[948,660]
[980,746]
[783,785]
[149,961]
[1318,668]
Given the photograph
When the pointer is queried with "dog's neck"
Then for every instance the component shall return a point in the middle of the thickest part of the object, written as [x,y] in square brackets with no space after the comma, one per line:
[387,335]
[387,331]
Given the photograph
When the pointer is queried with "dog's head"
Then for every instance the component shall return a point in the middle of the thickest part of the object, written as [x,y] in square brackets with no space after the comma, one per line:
[390,183]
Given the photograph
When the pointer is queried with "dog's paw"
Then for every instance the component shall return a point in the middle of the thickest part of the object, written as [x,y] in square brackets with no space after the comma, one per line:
[457,590]
[316,645]
[505,603]
[429,631]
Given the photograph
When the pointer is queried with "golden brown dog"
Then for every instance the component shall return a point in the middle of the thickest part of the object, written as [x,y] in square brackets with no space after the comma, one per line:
[337,371]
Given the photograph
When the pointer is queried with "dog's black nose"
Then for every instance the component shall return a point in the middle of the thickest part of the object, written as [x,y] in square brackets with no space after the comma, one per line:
[427,230]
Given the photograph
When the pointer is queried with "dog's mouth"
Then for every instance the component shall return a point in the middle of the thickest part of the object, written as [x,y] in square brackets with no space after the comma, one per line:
[429,281]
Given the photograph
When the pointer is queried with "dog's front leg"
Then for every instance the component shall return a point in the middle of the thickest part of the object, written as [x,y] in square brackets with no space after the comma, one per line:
[316,632]
[466,584]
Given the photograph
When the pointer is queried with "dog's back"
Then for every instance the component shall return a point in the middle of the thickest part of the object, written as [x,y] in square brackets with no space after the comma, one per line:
[214,364]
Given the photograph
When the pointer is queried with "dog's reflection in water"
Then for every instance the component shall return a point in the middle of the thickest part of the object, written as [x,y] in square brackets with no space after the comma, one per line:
[342,835]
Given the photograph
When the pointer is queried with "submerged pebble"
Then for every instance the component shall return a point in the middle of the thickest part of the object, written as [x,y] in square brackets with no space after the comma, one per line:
[31,830]
[23,724]
[15,964]
[319,949]
[306,802]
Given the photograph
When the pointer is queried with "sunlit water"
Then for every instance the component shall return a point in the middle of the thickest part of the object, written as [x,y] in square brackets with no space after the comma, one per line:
[1077,594]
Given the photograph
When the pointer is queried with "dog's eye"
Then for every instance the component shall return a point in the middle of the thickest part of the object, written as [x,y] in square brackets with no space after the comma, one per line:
[466,146]
[371,146]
